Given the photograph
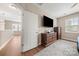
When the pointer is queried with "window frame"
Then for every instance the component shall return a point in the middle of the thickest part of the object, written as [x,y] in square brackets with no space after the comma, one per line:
[70,22]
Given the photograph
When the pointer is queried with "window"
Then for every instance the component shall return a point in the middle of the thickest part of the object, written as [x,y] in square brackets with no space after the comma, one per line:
[16,27]
[72,25]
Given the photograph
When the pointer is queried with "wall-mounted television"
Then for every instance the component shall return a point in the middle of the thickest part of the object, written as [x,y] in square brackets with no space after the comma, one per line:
[47,22]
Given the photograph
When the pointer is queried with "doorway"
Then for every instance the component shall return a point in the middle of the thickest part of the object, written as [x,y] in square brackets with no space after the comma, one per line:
[10,32]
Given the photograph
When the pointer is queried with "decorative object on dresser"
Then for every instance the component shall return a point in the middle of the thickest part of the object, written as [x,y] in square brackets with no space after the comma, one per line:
[58,30]
[48,38]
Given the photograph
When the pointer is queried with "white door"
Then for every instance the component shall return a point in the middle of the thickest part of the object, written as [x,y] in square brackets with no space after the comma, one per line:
[30,30]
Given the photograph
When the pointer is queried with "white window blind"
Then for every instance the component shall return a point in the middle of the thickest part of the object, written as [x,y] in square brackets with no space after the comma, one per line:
[72,25]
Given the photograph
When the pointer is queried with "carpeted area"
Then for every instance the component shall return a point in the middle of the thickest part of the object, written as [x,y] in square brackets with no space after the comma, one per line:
[60,48]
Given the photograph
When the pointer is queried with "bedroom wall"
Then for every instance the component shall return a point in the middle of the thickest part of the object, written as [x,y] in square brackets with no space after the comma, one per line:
[37,10]
[40,12]
[61,23]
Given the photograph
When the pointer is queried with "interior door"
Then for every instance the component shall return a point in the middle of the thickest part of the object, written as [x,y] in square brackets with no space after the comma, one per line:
[30,30]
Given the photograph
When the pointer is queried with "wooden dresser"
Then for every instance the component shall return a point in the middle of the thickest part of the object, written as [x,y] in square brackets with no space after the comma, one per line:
[48,38]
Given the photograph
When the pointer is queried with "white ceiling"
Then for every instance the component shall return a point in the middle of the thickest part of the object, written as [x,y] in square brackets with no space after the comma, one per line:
[59,9]
[53,9]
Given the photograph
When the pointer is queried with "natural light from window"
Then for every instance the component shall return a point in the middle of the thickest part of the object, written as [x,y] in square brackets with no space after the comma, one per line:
[72,25]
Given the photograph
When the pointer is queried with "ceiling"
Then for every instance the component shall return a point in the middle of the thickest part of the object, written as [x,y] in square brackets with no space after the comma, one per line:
[59,9]
[53,9]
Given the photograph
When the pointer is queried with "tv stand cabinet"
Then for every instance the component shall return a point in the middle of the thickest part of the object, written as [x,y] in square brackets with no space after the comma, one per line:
[48,38]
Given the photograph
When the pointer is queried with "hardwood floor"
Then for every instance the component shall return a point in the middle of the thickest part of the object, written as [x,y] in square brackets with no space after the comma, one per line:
[13,48]
[33,51]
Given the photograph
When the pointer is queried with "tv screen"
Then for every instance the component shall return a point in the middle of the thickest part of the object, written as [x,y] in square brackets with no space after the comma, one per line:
[47,22]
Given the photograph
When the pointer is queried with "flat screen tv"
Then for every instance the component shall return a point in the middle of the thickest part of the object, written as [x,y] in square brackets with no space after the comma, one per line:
[47,22]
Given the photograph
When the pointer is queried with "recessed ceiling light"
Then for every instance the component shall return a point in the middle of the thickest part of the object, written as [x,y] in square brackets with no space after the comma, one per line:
[12,6]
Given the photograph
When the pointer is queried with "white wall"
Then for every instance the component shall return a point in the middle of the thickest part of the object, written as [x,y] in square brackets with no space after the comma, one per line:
[30,30]
[2,25]
[4,36]
[38,11]
[55,22]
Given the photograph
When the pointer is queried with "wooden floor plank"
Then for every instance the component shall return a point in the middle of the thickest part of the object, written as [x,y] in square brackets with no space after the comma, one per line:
[33,51]
[13,48]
